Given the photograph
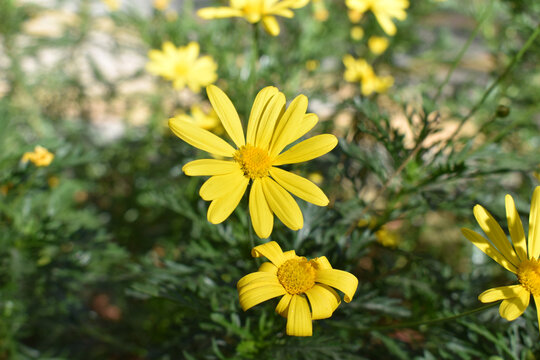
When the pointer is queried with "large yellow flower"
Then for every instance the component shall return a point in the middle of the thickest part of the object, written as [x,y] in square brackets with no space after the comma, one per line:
[255,11]
[270,129]
[521,259]
[182,66]
[358,70]
[384,11]
[298,280]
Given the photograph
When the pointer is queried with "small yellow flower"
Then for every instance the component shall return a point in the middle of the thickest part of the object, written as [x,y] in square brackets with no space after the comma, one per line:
[204,120]
[357,33]
[521,259]
[312,65]
[384,11]
[358,70]
[320,13]
[270,129]
[113,5]
[255,11]
[377,44]
[386,237]
[39,157]
[161,4]
[316,177]
[183,66]
[297,280]
[355,16]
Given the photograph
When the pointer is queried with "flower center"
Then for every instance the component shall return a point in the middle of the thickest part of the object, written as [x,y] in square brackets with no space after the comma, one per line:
[529,275]
[181,68]
[254,10]
[254,161]
[297,275]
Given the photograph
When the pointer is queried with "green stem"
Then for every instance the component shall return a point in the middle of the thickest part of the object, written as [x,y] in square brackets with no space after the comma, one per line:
[516,58]
[464,49]
[429,322]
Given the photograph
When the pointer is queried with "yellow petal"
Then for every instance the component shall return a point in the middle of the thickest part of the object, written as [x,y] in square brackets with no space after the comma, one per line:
[255,277]
[256,296]
[268,120]
[282,307]
[261,215]
[222,207]
[534,225]
[271,251]
[500,293]
[512,308]
[291,254]
[282,204]
[483,244]
[271,25]
[200,138]
[299,186]
[516,229]
[270,281]
[308,122]
[537,303]
[268,267]
[218,12]
[220,185]
[339,279]
[322,262]
[209,167]
[299,318]
[386,24]
[495,234]
[323,300]
[287,127]
[307,149]
[226,112]
[259,105]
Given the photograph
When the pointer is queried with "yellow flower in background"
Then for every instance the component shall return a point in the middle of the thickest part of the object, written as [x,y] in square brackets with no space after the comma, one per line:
[255,11]
[358,70]
[312,65]
[270,129]
[113,5]
[320,13]
[204,120]
[384,11]
[161,4]
[521,259]
[182,66]
[39,157]
[357,33]
[298,281]
[377,44]
[355,16]
[386,237]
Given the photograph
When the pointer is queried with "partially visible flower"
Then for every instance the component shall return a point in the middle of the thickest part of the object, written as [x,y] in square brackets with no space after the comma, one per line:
[377,44]
[355,16]
[320,13]
[312,65]
[520,259]
[205,120]
[183,66]
[357,33]
[316,177]
[387,237]
[298,280]
[384,11]
[270,129]
[255,11]
[161,4]
[358,70]
[112,5]
[39,157]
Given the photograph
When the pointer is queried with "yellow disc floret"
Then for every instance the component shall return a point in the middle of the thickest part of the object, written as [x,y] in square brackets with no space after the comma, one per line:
[297,275]
[255,162]
[529,275]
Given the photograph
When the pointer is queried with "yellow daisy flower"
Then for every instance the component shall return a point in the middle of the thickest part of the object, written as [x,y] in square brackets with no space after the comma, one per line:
[39,157]
[255,11]
[384,11]
[377,44]
[183,66]
[112,5]
[521,259]
[298,280]
[270,129]
[358,70]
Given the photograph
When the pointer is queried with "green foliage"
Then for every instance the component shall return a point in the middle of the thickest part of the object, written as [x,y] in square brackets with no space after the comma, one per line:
[107,253]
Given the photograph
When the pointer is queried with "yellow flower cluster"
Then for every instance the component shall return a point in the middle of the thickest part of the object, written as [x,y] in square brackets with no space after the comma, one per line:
[255,11]
[39,157]
[183,66]
[358,70]
[384,11]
